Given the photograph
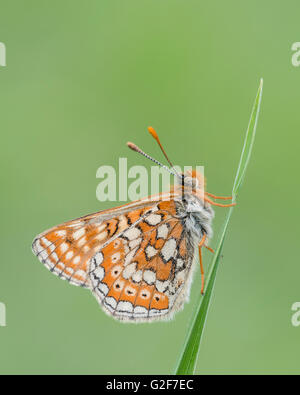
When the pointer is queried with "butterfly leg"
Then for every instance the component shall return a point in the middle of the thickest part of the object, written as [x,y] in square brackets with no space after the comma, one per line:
[218,197]
[218,204]
[210,249]
[202,271]
[201,262]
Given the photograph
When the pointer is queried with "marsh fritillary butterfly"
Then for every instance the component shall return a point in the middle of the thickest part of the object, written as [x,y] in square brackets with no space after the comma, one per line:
[136,259]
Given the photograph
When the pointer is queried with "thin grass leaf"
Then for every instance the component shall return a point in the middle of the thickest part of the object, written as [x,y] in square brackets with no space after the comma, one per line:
[248,143]
[188,359]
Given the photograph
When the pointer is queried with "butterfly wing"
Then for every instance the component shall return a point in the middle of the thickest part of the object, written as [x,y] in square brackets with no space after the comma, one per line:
[136,259]
[66,250]
[144,273]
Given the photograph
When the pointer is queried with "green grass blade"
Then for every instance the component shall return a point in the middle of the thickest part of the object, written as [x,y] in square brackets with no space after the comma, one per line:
[188,359]
[248,143]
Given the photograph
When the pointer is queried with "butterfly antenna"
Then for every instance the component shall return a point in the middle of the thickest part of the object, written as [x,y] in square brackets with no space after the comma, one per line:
[153,133]
[155,136]
[135,148]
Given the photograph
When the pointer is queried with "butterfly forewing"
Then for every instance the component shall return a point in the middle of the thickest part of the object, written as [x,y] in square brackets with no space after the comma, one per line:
[67,249]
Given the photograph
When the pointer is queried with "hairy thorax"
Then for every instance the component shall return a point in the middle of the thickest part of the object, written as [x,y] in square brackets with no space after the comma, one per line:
[196,215]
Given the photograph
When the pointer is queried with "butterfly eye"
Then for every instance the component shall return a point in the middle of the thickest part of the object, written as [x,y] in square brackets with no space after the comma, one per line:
[191,182]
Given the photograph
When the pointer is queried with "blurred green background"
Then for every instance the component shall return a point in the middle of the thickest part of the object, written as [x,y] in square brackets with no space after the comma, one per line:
[82,78]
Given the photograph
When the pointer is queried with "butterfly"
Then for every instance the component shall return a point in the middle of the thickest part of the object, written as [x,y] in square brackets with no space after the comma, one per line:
[136,259]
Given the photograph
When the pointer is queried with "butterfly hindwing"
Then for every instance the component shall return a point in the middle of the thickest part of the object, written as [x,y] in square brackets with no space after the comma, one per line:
[141,274]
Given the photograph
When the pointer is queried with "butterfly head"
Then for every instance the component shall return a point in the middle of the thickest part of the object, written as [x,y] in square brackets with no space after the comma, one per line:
[194,180]
[192,183]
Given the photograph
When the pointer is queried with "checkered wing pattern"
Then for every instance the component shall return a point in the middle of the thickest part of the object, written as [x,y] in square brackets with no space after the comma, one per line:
[67,249]
[142,274]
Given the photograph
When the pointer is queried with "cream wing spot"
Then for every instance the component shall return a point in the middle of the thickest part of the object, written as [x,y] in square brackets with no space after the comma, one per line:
[140,311]
[129,257]
[81,273]
[135,243]
[122,222]
[115,257]
[153,219]
[51,247]
[64,247]
[54,257]
[119,285]
[117,244]
[149,277]
[98,259]
[162,232]
[132,233]
[168,250]
[43,254]
[46,242]
[78,234]
[129,270]
[100,228]
[116,270]
[60,233]
[81,242]
[103,289]
[76,260]
[130,290]
[145,294]
[155,312]
[101,236]
[69,271]
[161,286]
[110,303]
[69,254]
[99,273]
[137,276]
[179,264]
[150,251]
[124,307]
[180,277]
[86,249]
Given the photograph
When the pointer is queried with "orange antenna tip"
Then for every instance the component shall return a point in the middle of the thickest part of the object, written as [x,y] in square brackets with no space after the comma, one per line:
[153,132]
[155,136]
